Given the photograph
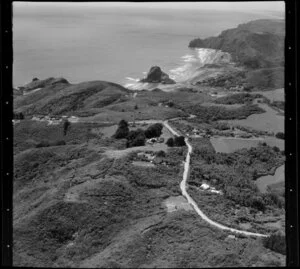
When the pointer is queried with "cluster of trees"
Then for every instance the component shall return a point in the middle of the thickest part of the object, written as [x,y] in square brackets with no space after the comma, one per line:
[18,116]
[214,113]
[154,130]
[239,98]
[137,137]
[178,141]
[122,131]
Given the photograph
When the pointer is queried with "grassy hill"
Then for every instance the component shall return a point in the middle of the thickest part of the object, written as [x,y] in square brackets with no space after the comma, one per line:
[64,98]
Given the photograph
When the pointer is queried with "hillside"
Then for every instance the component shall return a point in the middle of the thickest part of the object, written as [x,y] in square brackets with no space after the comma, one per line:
[76,207]
[257,44]
[57,97]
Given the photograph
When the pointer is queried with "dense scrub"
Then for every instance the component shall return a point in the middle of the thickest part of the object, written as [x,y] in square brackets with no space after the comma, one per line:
[74,207]
[235,172]
[239,98]
[214,113]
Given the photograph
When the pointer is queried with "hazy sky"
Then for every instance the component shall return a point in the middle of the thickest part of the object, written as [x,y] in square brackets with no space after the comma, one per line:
[269,6]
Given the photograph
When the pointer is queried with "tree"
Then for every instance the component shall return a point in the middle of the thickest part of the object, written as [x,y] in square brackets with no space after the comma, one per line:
[170,142]
[123,123]
[258,203]
[154,130]
[170,104]
[136,138]
[179,141]
[122,131]
[161,153]
[66,126]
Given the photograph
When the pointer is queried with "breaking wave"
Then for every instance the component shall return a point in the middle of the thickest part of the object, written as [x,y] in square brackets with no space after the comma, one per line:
[191,63]
[187,68]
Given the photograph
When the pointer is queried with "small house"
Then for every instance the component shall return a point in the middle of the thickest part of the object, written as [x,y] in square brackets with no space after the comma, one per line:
[204,186]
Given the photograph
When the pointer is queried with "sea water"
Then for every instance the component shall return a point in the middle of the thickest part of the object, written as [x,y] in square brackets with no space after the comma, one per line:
[112,44]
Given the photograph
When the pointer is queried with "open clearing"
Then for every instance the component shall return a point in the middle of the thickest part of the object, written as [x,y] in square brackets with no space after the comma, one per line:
[263,182]
[174,203]
[230,144]
[275,95]
[143,164]
[268,121]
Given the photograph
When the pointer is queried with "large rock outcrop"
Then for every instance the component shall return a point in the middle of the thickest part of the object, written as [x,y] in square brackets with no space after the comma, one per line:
[156,75]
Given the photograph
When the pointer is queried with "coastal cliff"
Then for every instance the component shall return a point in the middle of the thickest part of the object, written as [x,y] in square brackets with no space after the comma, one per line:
[257,44]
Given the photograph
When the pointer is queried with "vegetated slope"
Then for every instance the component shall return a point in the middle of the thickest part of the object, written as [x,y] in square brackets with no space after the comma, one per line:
[258,46]
[64,98]
[74,207]
[255,44]
[235,174]
[248,79]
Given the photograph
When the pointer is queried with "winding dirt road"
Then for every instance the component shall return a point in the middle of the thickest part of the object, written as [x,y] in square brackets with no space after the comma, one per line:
[189,198]
[184,180]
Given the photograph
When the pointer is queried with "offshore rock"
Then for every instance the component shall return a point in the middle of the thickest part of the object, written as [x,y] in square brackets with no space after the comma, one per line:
[156,75]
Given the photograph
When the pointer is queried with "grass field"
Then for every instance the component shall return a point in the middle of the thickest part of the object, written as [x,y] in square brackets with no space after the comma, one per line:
[268,121]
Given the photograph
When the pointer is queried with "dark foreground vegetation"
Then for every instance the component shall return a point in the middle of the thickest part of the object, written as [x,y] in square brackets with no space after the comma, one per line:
[276,242]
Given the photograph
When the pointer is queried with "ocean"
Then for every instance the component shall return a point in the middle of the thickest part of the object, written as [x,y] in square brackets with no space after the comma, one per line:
[112,44]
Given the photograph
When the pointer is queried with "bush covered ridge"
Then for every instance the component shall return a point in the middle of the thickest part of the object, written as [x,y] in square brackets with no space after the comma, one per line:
[248,46]
[214,113]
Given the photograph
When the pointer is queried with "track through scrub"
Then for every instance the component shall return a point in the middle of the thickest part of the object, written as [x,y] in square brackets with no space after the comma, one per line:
[189,198]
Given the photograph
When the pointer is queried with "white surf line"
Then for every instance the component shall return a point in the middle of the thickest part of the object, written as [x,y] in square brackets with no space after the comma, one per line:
[192,202]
